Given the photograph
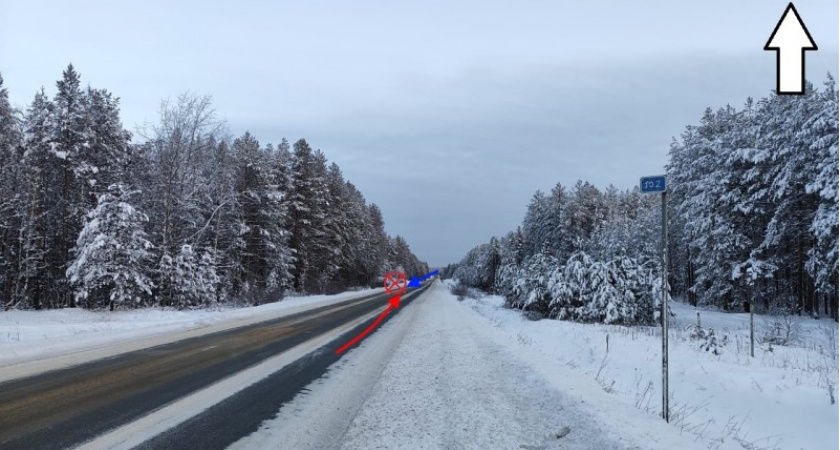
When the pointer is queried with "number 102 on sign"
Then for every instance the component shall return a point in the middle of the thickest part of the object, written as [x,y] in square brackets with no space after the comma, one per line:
[653,184]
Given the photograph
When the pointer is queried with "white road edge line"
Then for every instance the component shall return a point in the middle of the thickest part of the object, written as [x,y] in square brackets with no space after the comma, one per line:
[135,433]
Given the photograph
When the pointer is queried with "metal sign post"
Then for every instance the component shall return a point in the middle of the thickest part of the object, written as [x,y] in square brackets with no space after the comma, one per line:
[665,306]
[752,322]
[651,185]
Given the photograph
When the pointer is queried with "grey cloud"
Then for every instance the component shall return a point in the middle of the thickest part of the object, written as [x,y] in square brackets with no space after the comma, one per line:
[449,115]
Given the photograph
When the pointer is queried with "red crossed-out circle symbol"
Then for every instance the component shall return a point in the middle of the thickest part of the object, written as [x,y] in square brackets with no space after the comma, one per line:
[395,282]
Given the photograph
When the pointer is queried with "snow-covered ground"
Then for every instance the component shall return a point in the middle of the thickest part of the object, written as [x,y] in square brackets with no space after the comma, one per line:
[445,374]
[780,399]
[474,375]
[33,341]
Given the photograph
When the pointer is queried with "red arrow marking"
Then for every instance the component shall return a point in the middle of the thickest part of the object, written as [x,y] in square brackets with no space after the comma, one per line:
[393,303]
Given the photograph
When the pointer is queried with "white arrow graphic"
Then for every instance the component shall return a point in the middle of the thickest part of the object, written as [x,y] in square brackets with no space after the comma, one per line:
[790,39]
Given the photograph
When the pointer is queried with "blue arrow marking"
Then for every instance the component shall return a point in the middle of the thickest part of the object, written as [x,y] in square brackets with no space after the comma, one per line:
[415,282]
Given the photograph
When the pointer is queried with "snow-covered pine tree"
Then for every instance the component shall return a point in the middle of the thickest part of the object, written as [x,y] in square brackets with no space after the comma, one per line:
[537,224]
[264,255]
[11,201]
[707,189]
[341,234]
[400,254]
[206,233]
[68,146]
[38,284]
[307,218]
[281,256]
[250,184]
[111,259]
[359,271]
[822,264]
[379,245]
[612,287]
[747,190]
[326,241]
[531,291]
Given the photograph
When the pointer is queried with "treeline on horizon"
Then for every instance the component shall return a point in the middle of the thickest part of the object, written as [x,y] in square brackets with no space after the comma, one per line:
[753,215]
[187,218]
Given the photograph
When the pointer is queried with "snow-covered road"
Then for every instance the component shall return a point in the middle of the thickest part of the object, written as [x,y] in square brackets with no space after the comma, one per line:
[440,376]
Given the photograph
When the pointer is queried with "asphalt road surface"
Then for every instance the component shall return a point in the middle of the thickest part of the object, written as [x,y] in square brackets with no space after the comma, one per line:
[64,408]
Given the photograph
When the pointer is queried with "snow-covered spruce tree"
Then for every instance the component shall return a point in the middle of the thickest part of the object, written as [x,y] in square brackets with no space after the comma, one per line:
[510,251]
[617,291]
[570,288]
[190,277]
[509,282]
[532,292]
[73,147]
[111,263]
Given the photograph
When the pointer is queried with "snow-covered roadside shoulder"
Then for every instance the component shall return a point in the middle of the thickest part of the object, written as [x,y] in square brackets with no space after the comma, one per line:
[778,400]
[458,382]
[34,341]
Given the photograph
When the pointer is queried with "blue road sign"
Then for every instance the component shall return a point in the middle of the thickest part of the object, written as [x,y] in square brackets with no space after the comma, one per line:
[653,184]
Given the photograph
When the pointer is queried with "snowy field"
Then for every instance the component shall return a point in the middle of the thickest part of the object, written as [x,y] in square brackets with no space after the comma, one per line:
[32,341]
[784,398]
[445,374]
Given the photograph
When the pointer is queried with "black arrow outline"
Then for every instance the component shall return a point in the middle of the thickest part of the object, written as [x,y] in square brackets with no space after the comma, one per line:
[778,51]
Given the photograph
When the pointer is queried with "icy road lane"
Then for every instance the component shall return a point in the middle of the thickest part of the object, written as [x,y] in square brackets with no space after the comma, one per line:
[439,376]
[204,392]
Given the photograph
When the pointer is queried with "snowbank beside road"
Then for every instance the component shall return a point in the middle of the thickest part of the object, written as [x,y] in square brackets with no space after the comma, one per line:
[73,335]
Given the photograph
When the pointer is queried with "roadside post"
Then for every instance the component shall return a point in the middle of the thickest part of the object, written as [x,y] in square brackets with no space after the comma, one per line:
[752,322]
[653,185]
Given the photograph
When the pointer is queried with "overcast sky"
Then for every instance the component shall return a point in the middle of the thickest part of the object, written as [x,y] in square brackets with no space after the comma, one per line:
[447,114]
